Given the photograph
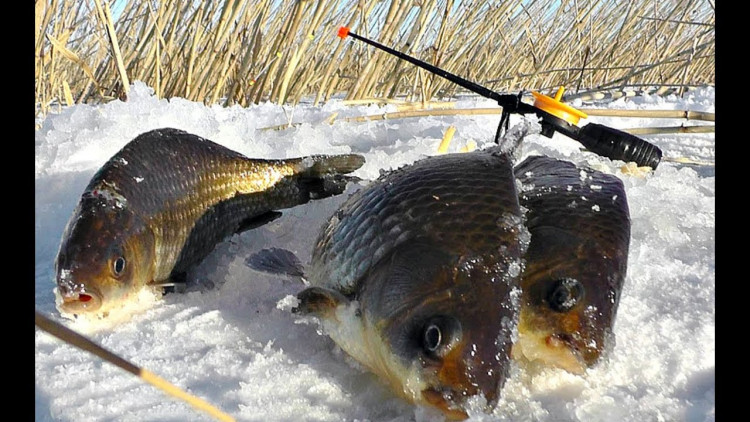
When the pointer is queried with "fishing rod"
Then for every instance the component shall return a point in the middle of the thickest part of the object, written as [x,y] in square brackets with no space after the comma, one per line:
[555,116]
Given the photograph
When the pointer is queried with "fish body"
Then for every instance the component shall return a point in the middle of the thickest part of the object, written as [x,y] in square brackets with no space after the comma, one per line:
[163,202]
[390,271]
[416,277]
[576,262]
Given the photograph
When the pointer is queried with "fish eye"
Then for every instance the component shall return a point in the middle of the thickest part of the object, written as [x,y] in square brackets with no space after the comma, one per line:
[437,335]
[119,265]
[565,294]
[432,337]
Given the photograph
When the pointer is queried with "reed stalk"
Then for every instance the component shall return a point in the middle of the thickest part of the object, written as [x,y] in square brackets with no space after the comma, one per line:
[235,52]
[73,338]
[106,16]
[670,129]
[417,110]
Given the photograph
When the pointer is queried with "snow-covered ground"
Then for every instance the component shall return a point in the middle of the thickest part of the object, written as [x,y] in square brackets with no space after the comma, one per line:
[226,341]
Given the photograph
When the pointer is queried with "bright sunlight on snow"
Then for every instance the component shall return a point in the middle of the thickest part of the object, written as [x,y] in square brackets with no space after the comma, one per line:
[231,340]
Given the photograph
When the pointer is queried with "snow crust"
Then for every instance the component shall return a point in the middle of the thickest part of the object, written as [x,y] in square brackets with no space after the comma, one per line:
[231,339]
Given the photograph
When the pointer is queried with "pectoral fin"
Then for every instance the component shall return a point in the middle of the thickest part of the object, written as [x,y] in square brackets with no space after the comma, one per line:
[319,302]
[276,261]
[176,283]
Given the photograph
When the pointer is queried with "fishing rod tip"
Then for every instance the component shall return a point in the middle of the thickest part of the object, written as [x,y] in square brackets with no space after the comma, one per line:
[343,32]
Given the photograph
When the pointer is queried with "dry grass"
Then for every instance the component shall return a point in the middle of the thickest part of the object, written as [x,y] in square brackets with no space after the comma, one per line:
[239,52]
[448,111]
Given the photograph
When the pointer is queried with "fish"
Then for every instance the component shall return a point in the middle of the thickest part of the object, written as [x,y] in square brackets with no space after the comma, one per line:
[162,203]
[416,276]
[575,264]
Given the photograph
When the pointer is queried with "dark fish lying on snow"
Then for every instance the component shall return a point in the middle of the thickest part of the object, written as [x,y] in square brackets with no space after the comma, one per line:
[163,202]
[575,264]
[416,276]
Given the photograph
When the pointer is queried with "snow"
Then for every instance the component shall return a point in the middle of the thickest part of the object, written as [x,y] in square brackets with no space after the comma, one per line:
[231,340]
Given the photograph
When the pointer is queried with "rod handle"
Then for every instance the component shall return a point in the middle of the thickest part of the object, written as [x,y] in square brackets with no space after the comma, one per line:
[618,145]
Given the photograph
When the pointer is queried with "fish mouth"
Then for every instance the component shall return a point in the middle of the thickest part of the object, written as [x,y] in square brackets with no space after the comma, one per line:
[454,386]
[443,400]
[556,349]
[76,302]
[570,351]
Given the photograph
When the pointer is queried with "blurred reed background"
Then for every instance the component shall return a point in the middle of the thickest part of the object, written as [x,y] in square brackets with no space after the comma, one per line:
[242,52]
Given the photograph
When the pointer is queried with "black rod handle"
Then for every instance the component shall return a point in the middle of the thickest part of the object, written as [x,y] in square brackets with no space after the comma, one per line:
[618,145]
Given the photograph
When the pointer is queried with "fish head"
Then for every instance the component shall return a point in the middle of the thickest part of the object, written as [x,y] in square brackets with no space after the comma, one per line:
[446,322]
[105,256]
[431,254]
[571,290]
[579,225]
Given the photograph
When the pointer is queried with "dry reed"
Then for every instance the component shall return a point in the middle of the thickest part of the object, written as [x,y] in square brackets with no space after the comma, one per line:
[413,110]
[236,52]
[69,336]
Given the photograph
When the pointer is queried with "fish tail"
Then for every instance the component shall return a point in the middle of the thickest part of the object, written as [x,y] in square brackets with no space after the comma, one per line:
[321,176]
[318,165]
[323,186]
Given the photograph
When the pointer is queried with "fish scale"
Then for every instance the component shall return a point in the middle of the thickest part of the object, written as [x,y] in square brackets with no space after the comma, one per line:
[188,184]
[166,199]
[579,223]
[403,205]
[556,200]
[416,277]
[433,277]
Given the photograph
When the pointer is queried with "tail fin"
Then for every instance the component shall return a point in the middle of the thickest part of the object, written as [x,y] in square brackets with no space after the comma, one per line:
[321,176]
[316,165]
[318,187]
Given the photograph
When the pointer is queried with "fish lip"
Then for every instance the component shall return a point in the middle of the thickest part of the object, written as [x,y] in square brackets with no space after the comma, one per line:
[575,348]
[440,398]
[79,299]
